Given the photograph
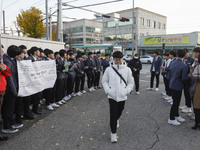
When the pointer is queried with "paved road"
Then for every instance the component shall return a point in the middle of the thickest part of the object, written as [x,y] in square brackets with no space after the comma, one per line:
[83,124]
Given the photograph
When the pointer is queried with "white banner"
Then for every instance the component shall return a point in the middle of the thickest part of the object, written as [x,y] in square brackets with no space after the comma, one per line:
[35,76]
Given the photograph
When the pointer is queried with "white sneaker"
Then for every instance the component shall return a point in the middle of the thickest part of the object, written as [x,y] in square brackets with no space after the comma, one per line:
[180,119]
[69,96]
[66,98]
[113,138]
[164,93]
[93,89]
[49,107]
[169,101]
[149,89]
[90,90]
[73,94]
[78,94]
[17,126]
[156,89]
[138,93]
[117,123]
[9,131]
[83,91]
[167,98]
[63,101]
[174,122]
[55,105]
[59,103]
[183,107]
[191,115]
[186,110]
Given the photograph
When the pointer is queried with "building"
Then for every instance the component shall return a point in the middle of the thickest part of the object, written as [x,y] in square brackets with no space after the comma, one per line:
[146,23]
[82,32]
[148,44]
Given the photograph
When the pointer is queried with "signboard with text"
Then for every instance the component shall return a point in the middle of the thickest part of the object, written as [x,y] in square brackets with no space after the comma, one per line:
[173,40]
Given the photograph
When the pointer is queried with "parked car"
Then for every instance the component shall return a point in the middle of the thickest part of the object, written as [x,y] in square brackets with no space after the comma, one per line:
[146,59]
[127,57]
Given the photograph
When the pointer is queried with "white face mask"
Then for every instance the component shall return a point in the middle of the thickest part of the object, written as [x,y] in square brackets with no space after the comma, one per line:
[136,57]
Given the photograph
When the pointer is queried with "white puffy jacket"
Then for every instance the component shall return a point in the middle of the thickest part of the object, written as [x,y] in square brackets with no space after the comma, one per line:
[114,86]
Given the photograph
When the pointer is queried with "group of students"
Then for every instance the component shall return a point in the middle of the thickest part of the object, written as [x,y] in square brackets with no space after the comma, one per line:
[180,74]
[71,73]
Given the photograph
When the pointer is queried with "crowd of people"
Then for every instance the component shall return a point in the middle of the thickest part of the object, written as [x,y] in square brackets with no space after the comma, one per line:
[180,74]
[71,73]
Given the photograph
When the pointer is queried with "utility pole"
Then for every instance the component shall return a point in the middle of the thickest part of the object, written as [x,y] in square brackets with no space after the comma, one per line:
[47,24]
[59,34]
[1,51]
[4,24]
[50,25]
[133,30]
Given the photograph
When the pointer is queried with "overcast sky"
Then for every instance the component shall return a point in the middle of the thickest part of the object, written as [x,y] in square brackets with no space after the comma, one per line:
[182,15]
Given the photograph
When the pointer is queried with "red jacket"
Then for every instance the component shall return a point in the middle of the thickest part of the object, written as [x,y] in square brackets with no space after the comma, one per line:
[3,83]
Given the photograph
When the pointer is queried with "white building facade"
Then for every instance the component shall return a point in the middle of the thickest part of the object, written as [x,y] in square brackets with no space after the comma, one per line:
[82,32]
[146,23]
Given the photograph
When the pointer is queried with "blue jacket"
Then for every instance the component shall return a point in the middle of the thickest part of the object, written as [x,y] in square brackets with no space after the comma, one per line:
[91,65]
[157,63]
[98,63]
[178,75]
[12,80]
[60,67]
[105,63]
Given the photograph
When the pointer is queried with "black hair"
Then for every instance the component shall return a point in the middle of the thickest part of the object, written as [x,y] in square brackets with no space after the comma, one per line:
[196,49]
[29,52]
[12,51]
[98,52]
[156,52]
[34,49]
[181,53]
[166,54]
[70,51]
[118,54]
[136,55]
[22,47]
[48,52]
[82,53]
[41,50]
[19,51]
[70,54]
[62,52]
[78,52]
[173,53]
[56,53]
[186,50]
[90,53]
[78,56]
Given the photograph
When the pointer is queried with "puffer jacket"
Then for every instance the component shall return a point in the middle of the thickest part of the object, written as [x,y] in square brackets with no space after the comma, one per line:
[3,83]
[114,86]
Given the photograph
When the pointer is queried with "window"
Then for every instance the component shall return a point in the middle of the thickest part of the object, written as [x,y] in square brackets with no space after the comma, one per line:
[141,21]
[111,24]
[73,30]
[93,29]
[163,26]
[154,24]
[159,25]
[148,23]
[122,37]
[77,41]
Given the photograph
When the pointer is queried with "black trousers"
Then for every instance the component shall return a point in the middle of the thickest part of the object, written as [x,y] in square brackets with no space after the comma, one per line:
[166,82]
[97,78]
[8,109]
[65,86]
[77,84]
[53,94]
[136,77]
[36,100]
[176,96]
[153,75]
[116,109]
[90,79]
[71,83]
[18,110]
[26,106]
[47,96]
[82,82]
[197,116]
[188,101]
[59,89]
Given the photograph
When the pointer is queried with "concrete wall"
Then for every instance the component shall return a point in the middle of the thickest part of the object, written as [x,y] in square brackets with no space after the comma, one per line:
[8,40]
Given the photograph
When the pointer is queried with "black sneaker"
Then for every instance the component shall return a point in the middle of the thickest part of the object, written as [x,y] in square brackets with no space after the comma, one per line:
[3,138]
[9,131]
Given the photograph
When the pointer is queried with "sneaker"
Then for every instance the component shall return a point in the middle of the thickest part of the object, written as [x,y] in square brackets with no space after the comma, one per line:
[93,89]
[149,89]
[99,87]
[90,90]
[156,89]
[59,103]
[183,107]
[113,138]
[9,131]
[169,101]
[63,101]
[17,126]
[73,94]
[191,115]
[69,96]
[117,123]
[180,119]
[49,107]
[138,93]
[55,105]
[186,110]
[3,138]
[83,91]
[78,94]
[174,122]
[66,98]
[164,93]
[167,98]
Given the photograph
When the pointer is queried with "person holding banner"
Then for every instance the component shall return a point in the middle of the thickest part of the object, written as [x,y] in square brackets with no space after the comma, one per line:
[8,106]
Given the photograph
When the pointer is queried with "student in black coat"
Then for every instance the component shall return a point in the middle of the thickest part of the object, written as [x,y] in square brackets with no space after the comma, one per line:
[106,62]
[83,75]
[136,66]
[8,106]
[97,60]
[90,69]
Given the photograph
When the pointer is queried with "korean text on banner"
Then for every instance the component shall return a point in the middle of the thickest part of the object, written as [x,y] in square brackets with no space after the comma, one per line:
[36,76]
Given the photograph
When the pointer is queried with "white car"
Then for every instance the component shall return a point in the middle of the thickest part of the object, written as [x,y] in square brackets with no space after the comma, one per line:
[146,59]
[127,57]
